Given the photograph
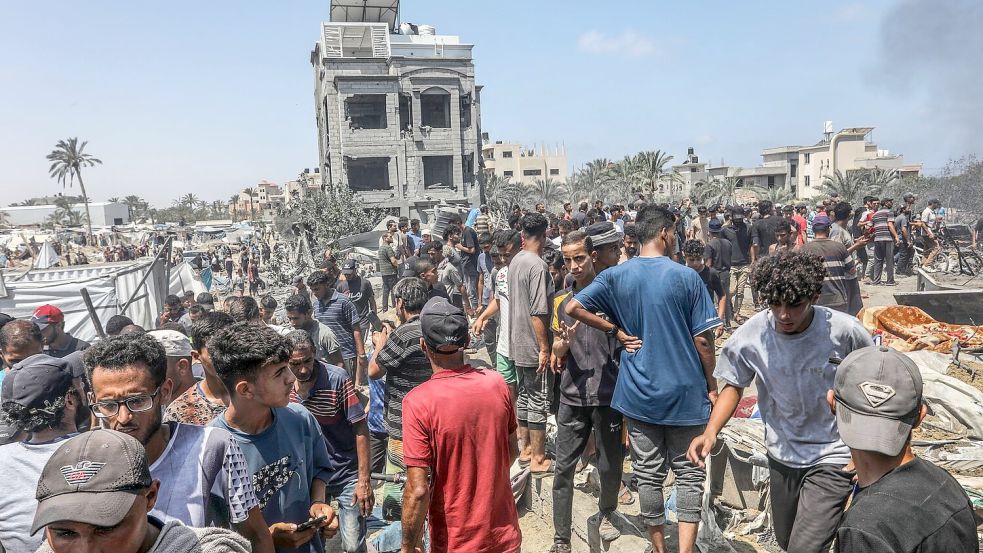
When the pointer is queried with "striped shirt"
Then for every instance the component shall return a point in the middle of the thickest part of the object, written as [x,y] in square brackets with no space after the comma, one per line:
[336,407]
[406,368]
[340,315]
[840,267]
[882,220]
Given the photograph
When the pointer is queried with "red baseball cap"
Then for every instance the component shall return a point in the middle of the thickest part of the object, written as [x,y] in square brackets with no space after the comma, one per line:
[47,315]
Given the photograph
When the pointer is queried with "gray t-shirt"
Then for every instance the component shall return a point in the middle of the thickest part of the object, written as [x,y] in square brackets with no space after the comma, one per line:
[530,288]
[793,373]
[20,468]
[322,335]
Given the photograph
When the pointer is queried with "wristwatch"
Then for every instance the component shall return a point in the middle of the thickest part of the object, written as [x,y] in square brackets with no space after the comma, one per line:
[613,332]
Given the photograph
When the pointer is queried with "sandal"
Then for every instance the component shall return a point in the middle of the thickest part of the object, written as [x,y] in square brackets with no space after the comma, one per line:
[540,474]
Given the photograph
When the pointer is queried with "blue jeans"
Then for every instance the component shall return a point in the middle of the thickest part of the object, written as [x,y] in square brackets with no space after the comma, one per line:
[351,523]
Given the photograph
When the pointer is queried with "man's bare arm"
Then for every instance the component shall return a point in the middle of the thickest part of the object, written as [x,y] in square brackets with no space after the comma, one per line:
[416,503]
[705,347]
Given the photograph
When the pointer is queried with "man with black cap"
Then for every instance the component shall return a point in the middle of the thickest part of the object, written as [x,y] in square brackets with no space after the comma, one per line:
[719,255]
[41,404]
[901,503]
[458,443]
[109,470]
[57,342]
[739,235]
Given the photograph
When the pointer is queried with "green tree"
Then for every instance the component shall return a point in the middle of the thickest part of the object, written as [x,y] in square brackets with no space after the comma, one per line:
[777,195]
[652,175]
[190,200]
[4,218]
[134,206]
[67,160]
[234,202]
[716,190]
[250,192]
[851,186]
[548,191]
[114,200]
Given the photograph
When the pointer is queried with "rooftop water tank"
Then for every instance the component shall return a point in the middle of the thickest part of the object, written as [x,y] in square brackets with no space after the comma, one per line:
[427,30]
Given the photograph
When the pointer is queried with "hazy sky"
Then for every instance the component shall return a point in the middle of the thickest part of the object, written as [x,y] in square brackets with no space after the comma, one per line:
[212,96]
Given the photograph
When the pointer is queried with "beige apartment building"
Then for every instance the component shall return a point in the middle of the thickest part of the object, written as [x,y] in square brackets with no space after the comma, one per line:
[526,165]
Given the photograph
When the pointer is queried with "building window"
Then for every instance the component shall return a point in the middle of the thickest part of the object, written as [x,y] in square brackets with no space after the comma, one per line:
[554,171]
[807,181]
[507,153]
[793,170]
[435,108]
[805,159]
[366,111]
[438,172]
[467,167]
[466,111]
[692,169]
[405,112]
[366,174]
[532,172]
[508,173]
[771,181]
[117,220]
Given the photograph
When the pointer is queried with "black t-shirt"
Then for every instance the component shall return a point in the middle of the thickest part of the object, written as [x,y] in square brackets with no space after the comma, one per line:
[591,369]
[469,261]
[720,251]
[359,291]
[438,290]
[916,507]
[72,346]
[763,233]
[711,278]
[740,241]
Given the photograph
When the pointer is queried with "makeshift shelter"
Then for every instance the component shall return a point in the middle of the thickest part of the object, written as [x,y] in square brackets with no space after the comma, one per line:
[110,286]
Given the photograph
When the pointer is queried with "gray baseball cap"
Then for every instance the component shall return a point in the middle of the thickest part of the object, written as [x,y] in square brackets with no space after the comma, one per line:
[93,478]
[603,233]
[878,396]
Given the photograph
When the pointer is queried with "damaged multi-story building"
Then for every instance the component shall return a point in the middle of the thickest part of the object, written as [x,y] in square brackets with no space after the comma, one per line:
[398,110]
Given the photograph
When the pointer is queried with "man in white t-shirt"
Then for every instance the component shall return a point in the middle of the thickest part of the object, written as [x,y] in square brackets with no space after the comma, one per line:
[508,242]
[40,401]
[930,226]
[204,478]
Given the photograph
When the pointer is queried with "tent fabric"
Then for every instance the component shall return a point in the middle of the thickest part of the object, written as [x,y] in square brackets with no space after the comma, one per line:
[110,286]
[906,328]
[47,256]
[184,278]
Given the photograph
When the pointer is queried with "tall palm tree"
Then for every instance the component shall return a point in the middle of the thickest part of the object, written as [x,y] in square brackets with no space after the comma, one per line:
[218,209]
[114,200]
[133,205]
[851,186]
[233,202]
[67,160]
[548,191]
[651,173]
[250,192]
[777,195]
[714,190]
[190,200]
[881,179]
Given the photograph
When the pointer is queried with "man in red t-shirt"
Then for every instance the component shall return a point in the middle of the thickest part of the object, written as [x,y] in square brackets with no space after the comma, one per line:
[458,443]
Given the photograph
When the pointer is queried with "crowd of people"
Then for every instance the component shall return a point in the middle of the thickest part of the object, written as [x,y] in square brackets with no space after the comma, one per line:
[243,424]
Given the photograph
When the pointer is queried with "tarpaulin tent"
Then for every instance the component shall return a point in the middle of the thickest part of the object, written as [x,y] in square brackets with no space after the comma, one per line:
[110,286]
[184,278]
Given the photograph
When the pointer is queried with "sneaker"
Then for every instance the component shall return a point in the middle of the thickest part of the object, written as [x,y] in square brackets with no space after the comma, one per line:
[560,548]
[606,529]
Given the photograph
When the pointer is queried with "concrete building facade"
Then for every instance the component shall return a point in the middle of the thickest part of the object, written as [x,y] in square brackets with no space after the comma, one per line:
[526,165]
[398,110]
[104,214]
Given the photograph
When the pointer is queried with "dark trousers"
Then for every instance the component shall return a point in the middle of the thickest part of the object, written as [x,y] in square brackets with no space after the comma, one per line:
[378,442]
[574,426]
[807,505]
[883,255]
[388,281]
[863,259]
[906,254]
[728,309]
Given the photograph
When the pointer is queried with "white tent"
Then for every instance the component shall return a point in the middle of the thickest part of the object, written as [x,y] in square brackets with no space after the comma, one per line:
[184,278]
[110,285]
[47,257]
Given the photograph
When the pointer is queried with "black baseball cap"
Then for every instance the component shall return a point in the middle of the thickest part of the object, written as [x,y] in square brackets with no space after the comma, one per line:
[36,381]
[349,267]
[93,478]
[4,319]
[444,325]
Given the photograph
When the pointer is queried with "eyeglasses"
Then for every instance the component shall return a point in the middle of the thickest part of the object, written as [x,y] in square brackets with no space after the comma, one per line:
[135,404]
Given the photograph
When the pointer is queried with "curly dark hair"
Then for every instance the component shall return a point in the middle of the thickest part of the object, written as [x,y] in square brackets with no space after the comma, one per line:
[206,327]
[125,351]
[413,292]
[321,277]
[240,350]
[298,303]
[534,224]
[246,309]
[35,419]
[693,248]
[788,277]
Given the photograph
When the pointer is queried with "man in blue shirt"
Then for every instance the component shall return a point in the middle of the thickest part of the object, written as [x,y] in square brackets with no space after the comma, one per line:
[339,314]
[661,312]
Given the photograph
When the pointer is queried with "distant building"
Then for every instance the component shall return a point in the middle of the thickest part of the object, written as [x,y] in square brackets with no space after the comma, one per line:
[104,214]
[266,198]
[397,109]
[526,165]
[296,189]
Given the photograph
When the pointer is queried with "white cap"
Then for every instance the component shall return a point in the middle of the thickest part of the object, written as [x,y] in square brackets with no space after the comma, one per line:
[175,344]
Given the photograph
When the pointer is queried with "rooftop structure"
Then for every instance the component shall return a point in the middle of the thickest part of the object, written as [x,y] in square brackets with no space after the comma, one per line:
[104,214]
[397,109]
[526,165]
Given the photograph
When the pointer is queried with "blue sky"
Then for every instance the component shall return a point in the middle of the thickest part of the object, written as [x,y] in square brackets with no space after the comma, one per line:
[209,97]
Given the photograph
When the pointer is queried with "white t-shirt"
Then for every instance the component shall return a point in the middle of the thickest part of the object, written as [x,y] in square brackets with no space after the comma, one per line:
[204,479]
[502,294]
[21,464]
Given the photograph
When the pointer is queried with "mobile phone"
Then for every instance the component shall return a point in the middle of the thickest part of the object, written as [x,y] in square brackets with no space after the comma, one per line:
[311,523]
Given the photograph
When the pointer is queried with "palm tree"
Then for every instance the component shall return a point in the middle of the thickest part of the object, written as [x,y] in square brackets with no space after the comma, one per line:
[133,205]
[218,209]
[233,202]
[715,190]
[777,195]
[4,218]
[67,160]
[548,191]
[651,174]
[595,177]
[250,192]
[851,186]
[881,179]
[190,200]
[66,217]
[114,200]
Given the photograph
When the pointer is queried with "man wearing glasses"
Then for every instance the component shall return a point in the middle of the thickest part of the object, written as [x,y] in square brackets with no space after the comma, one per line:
[328,393]
[204,477]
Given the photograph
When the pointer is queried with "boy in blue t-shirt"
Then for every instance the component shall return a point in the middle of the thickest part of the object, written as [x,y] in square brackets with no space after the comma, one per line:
[281,441]
[661,312]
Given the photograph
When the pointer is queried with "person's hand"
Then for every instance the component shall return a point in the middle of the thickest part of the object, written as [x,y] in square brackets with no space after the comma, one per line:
[329,527]
[478,326]
[719,332]
[700,448]
[631,343]
[544,361]
[364,497]
[557,363]
[286,536]
[713,395]
[380,338]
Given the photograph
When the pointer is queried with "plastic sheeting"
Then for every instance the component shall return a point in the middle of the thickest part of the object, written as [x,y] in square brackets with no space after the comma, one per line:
[47,257]
[110,285]
[184,278]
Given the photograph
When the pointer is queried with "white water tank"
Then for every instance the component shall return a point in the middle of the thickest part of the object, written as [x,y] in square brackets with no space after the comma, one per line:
[406,29]
[427,30]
